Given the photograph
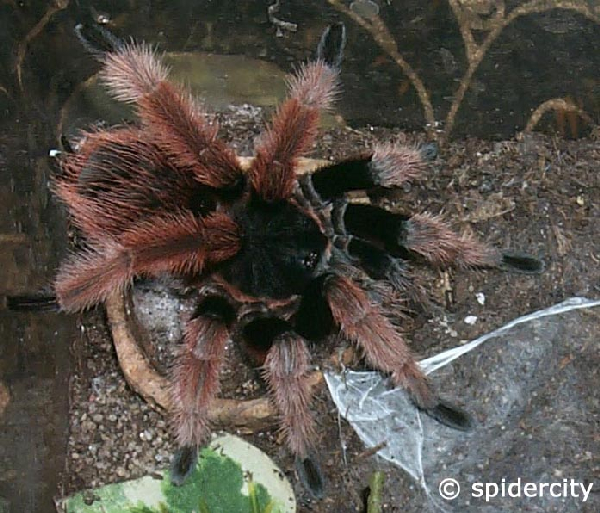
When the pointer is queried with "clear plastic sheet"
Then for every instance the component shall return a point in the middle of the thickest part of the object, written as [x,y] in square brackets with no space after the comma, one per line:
[532,389]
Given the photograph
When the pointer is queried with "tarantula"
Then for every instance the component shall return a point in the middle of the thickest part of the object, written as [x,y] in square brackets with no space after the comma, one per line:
[280,261]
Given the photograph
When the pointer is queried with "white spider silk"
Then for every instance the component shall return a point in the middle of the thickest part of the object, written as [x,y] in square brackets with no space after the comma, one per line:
[523,388]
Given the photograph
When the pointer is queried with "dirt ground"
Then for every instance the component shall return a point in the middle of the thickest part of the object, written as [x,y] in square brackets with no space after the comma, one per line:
[538,195]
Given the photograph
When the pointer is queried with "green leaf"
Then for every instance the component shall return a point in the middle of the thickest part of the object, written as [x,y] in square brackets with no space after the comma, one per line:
[218,482]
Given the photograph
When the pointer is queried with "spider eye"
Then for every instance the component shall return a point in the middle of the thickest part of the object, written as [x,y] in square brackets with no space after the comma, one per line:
[310,260]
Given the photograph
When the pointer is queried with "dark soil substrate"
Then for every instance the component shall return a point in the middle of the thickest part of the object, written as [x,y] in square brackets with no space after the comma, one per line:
[538,195]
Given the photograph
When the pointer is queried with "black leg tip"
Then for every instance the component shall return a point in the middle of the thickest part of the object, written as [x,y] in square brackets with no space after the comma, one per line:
[97,40]
[522,262]
[66,145]
[331,46]
[32,303]
[311,476]
[450,416]
[184,464]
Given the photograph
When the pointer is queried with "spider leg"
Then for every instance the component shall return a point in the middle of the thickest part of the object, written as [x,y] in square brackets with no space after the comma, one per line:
[284,359]
[118,178]
[129,70]
[35,303]
[90,276]
[96,39]
[294,126]
[376,262]
[361,321]
[313,319]
[424,237]
[332,44]
[180,128]
[195,380]
[286,371]
[387,166]
[173,120]
[382,266]
[178,243]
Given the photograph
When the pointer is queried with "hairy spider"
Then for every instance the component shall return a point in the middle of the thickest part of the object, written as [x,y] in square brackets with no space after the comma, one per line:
[280,261]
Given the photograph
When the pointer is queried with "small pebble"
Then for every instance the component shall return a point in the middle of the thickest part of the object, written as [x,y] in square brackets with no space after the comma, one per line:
[429,151]
[471,319]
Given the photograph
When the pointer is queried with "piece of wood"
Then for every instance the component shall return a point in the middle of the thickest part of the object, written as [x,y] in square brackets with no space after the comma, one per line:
[139,373]
[244,415]
[303,165]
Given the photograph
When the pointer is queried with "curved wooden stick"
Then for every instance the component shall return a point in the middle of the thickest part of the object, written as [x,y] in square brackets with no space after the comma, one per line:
[153,387]
[556,104]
